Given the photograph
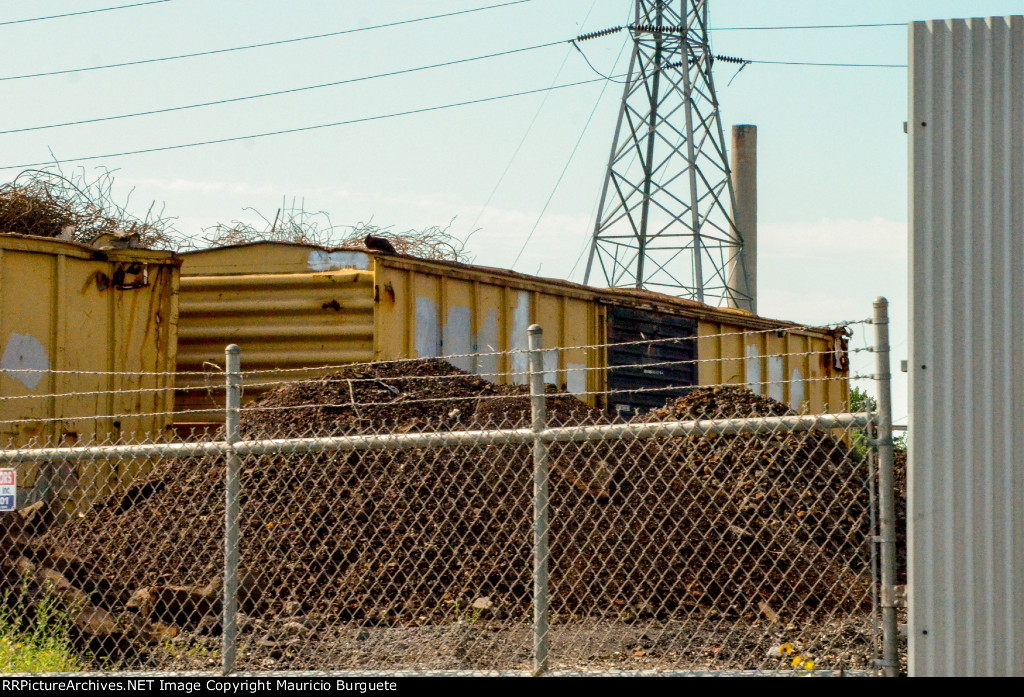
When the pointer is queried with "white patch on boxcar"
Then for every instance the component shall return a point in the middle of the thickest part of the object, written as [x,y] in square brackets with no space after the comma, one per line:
[752,366]
[520,338]
[322,260]
[458,338]
[796,389]
[428,330]
[776,378]
[25,353]
[487,343]
[576,378]
[551,366]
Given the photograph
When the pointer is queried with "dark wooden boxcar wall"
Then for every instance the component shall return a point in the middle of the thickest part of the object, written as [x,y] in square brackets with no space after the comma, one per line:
[658,371]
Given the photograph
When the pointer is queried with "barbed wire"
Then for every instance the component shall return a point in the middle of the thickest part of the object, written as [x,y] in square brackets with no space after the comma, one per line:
[399,401]
[407,378]
[525,395]
[584,347]
[514,351]
[138,390]
[87,417]
[138,373]
[526,373]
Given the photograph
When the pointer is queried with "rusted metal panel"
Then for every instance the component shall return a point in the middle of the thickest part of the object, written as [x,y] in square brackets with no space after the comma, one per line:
[649,374]
[427,309]
[966,468]
[83,314]
[288,307]
[802,368]
[292,306]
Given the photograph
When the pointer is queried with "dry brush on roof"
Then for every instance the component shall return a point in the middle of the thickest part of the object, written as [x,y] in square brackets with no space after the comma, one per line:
[78,208]
[305,227]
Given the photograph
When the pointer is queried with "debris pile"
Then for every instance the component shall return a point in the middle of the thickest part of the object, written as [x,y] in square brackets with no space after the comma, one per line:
[403,397]
[748,524]
[299,226]
[77,208]
[744,526]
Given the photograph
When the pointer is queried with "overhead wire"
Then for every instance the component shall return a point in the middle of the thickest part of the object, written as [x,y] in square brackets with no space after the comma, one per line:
[816,64]
[586,37]
[572,155]
[606,77]
[526,134]
[546,91]
[260,45]
[292,90]
[299,129]
[813,26]
[82,12]
[597,197]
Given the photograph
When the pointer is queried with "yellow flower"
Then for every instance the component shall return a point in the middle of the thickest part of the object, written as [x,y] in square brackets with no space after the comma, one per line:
[809,665]
[797,661]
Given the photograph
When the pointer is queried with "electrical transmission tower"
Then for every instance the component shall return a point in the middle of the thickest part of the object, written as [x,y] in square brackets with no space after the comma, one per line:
[665,218]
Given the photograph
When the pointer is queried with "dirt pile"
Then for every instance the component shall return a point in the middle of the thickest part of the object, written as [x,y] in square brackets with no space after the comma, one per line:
[741,526]
[749,524]
[409,396]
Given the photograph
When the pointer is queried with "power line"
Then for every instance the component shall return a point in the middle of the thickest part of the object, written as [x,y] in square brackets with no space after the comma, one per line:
[82,12]
[577,47]
[813,26]
[301,129]
[260,45]
[522,141]
[529,128]
[822,65]
[280,92]
[382,116]
[569,161]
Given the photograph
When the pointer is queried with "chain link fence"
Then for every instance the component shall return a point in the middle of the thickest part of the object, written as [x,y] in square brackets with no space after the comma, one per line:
[351,523]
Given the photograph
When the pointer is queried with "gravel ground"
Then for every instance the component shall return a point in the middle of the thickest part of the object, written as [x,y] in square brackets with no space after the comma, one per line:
[592,646]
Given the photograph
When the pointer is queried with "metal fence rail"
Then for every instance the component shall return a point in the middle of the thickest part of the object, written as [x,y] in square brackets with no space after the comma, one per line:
[518,540]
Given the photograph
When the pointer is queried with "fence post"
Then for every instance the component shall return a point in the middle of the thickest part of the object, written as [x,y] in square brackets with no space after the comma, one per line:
[538,408]
[886,497]
[231,509]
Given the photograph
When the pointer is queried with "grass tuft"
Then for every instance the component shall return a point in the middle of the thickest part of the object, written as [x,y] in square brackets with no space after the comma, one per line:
[34,638]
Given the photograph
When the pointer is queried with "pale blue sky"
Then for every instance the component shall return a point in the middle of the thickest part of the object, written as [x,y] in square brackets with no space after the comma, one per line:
[833,170]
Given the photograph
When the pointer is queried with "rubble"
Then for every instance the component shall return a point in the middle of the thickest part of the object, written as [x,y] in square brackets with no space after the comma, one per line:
[767,526]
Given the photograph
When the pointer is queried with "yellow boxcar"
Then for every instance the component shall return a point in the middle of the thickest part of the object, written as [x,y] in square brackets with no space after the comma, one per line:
[73,321]
[293,306]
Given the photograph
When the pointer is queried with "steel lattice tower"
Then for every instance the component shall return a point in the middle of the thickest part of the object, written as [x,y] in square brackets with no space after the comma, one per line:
[665,218]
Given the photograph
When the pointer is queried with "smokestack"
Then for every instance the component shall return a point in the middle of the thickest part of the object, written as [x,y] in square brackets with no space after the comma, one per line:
[742,271]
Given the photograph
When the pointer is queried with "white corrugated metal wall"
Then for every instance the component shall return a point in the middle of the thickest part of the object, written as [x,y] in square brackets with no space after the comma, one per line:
[966,498]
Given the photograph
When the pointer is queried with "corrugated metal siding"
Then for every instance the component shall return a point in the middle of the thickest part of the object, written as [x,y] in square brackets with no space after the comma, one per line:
[290,305]
[62,309]
[966,481]
[797,368]
[427,310]
[673,365]
[292,317]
